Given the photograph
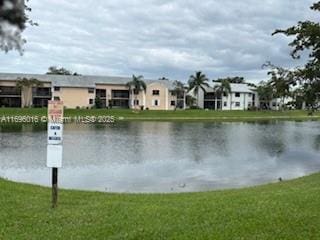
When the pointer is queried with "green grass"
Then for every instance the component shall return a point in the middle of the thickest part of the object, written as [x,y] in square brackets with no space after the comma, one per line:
[286,210]
[127,114]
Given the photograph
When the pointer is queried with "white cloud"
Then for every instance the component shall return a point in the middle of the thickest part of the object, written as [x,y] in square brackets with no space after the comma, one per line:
[159,37]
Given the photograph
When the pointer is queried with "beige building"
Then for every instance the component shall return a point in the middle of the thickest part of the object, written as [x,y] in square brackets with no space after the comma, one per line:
[84,91]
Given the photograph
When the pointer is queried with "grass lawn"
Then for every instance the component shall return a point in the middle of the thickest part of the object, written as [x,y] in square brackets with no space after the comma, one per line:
[285,210]
[127,114]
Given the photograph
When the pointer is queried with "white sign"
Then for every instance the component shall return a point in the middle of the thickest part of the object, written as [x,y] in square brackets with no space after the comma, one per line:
[55,133]
[55,111]
[54,156]
[55,130]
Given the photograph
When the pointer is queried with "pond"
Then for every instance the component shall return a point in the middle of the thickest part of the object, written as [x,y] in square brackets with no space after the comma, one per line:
[164,156]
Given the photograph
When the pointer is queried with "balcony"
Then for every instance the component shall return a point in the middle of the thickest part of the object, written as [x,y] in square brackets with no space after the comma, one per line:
[41,92]
[10,91]
[101,93]
[41,96]
[120,94]
[212,96]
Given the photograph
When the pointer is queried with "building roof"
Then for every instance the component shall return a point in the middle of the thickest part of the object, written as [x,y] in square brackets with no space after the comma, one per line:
[241,87]
[79,81]
[235,87]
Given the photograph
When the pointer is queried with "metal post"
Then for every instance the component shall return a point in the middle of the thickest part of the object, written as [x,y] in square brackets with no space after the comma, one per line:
[54,187]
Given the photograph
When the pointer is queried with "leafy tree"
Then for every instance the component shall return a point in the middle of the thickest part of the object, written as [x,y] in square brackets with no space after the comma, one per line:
[26,85]
[60,71]
[265,93]
[309,88]
[306,36]
[252,85]
[223,87]
[164,78]
[311,93]
[13,21]
[280,82]
[190,101]
[298,96]
[136,85]
[197,82]
[98,102]
[231,79]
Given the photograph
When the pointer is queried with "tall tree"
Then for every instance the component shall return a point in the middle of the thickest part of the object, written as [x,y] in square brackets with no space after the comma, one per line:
[26,85]
[265,93]
[223,88]
[163,78]
[306,36]
[136,85]
[61,71]
[197,82]
[179,91]
[231,79]
[179,88]
[280,82]
[13,21]
[298,96]
[310,87]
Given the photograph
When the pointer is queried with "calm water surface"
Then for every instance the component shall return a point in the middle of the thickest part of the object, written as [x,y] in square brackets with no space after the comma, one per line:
[164,156]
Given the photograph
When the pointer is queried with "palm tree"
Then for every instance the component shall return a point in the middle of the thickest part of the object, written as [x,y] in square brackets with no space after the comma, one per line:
[223,87]
[179,91]
[197,82]
[135,86]
[26,85]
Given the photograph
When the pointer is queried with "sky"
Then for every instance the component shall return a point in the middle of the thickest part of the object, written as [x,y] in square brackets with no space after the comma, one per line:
[159,38]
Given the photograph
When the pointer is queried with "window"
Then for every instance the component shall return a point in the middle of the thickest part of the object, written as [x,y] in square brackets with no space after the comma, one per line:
[224,104]
[90,90]
[135,91]
[101,93]
[237,94]
[173,103]
[209,96]
[56,89]
[224,94]
[274,104]
[120,93]
[10,91]
[156,92]
[237,104]
[136,102]
[156,102]
[90,101]
[41,92]
[56,98]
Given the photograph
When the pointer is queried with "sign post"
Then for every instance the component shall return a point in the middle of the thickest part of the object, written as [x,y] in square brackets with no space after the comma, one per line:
[54,147]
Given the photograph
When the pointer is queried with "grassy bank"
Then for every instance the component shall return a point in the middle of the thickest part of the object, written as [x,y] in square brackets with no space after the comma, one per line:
[286,210]
[127,114]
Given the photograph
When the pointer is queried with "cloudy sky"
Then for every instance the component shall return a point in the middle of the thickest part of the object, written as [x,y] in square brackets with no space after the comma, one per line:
[156,38]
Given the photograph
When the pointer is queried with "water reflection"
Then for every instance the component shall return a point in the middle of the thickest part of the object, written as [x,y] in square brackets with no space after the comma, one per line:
[164,156]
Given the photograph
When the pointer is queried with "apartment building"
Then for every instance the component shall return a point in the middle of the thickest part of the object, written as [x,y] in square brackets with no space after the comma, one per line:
[82,91]
[241,97]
